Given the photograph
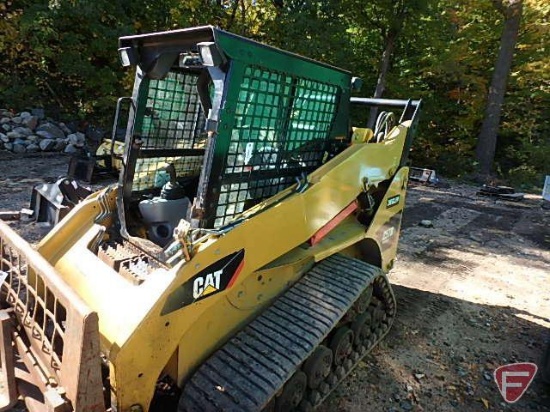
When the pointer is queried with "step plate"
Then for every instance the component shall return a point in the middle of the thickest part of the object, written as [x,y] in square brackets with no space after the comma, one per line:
[253,366]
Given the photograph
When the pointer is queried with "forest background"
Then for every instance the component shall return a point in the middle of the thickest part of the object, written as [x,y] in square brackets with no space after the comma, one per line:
[61,55]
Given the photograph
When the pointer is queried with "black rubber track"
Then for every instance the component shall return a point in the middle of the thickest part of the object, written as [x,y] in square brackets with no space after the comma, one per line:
[253,366]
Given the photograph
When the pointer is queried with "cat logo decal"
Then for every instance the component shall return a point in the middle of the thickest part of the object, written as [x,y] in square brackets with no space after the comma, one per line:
[217,277]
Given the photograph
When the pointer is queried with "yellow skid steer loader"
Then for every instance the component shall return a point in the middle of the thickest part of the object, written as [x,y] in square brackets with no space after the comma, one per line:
[240,262]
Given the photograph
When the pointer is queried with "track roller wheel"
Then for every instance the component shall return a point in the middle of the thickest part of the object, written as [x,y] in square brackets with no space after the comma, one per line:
[341,345]
[362,303]
[306,406]
[324,388]
[378,312]
[317,366]
[332,380]
[292,393]
[314,397]
[361,328]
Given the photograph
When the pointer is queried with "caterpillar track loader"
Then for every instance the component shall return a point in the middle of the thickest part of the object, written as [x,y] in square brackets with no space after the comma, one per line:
[240,262]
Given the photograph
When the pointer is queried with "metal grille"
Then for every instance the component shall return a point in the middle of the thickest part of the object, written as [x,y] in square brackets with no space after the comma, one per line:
[148,172]
[282,124]
[311,119]
[34,304]
[173,120]
[173,114]
[56,334]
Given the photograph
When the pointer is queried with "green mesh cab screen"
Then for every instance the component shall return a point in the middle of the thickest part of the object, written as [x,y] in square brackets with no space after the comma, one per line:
[171,127]
[280,131]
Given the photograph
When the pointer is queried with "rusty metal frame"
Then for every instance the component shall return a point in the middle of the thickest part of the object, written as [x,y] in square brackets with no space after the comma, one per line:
[55,332]
[8,395]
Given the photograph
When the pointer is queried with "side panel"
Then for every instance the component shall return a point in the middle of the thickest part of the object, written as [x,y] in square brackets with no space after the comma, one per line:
[386,225]
[378,244]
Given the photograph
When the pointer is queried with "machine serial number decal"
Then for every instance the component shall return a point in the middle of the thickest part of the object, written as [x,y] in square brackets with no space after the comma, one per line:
[214,279]
[392,201]
[386,234]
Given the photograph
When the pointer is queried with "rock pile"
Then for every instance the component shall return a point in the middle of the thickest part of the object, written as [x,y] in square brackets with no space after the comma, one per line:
[30,131]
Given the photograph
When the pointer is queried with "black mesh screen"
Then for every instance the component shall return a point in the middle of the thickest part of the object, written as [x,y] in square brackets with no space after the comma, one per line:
[174,122]
[282,124]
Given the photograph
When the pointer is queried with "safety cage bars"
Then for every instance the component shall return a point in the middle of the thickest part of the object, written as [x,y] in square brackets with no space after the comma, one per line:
[280,131]
[171,130]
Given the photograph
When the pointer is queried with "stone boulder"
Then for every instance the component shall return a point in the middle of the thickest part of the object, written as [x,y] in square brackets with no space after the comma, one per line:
[49,131]
[15,135]
[19,148]
[71,149]
[60,145]
[33,148]
[47,145]
[25,131]
[77,139]
[31,122]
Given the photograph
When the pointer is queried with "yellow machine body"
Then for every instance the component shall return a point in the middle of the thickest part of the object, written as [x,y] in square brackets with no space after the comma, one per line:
[140,341]
[143,331]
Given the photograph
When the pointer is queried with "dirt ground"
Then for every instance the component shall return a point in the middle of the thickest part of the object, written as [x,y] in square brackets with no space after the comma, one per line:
[472,290]
[473,293]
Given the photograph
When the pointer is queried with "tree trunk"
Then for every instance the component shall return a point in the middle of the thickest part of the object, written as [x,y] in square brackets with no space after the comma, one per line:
[233,14]
[383,72]
[487,139]
[385,64]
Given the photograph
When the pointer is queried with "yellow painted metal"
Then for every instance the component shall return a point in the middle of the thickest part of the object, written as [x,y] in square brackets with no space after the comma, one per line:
[104,149]
[382,223]
[79,220]
[200,328]
[361,135]
[139,342]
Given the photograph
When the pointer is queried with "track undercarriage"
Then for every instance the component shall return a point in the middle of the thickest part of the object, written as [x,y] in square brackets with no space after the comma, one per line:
[294,354]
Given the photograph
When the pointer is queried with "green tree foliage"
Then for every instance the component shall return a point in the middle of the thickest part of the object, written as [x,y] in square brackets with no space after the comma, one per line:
[449,66]
[523,149]
[61,54]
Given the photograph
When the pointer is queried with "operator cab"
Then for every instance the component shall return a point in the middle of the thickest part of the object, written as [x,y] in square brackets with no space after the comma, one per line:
[218,124]
[165,159]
